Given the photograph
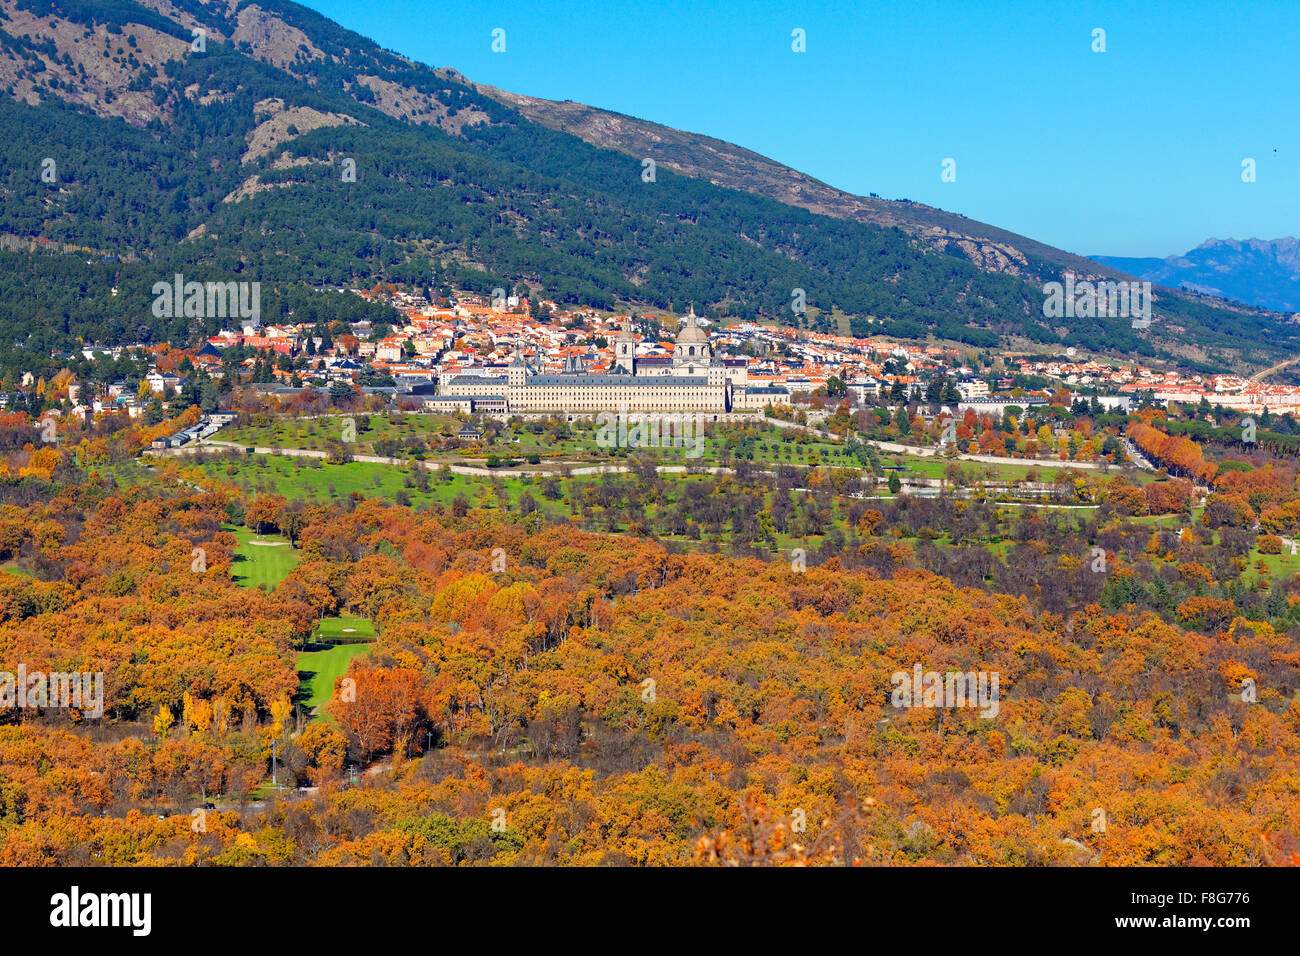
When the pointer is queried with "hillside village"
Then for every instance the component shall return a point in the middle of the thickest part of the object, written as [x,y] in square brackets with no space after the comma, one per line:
[409,365]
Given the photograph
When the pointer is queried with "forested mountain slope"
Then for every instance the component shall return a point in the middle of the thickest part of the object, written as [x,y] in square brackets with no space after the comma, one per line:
[236,161]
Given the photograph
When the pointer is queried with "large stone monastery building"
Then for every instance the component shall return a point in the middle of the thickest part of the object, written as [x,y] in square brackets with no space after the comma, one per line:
[694,380]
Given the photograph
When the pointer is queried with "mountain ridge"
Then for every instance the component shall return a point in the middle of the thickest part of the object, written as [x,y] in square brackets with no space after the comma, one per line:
[229,159]
[737,167]
[1259,272]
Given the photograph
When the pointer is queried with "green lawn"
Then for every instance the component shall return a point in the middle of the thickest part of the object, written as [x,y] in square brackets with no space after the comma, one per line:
[1279,566]
[936,466]
[261,560]
[314,479]
[318,433]
[305,479]
[344,627]
[318,669]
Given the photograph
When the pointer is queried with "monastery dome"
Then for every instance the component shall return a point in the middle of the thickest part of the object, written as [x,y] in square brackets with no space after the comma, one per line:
[690,331]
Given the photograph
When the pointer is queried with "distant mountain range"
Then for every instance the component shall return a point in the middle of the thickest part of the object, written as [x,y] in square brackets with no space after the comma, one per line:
[257,139]
[1262,272]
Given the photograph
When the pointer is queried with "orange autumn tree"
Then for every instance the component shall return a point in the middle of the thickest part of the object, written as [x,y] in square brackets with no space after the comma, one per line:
[381,707]
[1179,454]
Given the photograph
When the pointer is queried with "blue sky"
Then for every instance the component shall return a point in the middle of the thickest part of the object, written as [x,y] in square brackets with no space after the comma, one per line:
[1134,151]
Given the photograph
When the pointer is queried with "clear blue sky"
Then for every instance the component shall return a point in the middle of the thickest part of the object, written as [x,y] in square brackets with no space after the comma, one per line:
[1135,151]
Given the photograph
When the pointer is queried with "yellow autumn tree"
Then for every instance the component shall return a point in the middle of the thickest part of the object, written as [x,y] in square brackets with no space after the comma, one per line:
[201,715]
[163,721]
[280,709]
[220,716]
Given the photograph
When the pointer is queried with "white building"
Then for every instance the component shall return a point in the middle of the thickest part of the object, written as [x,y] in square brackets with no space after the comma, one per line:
[694,380]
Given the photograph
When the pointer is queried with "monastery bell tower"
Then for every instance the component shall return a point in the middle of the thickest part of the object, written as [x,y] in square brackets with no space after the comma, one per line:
[625,350]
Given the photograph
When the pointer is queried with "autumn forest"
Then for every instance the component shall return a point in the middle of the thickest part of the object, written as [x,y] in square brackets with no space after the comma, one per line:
[538,693]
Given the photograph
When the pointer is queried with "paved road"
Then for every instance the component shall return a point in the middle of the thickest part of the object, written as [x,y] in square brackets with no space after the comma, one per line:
[1138,458]
[1260,376]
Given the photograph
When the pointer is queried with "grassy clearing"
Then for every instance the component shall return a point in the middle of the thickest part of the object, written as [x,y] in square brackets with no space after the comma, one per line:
[1277,567]
[317,671]
[934,467]
[931,466]
[261,561]
[318,433]
[319,667]
[345,627]
[308,479]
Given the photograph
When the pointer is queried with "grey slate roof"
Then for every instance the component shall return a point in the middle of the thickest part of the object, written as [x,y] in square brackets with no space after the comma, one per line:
[642,380]
[477,379]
